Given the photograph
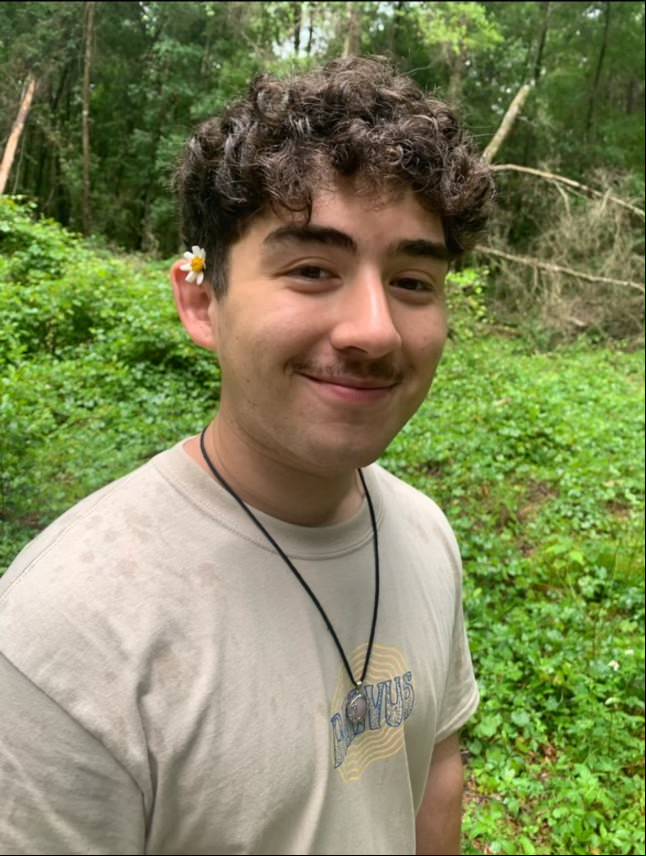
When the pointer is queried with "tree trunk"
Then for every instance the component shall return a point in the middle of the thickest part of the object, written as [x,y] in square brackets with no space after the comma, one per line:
[630,95]
[352,44]
[538,65]
[42,149]
[456,81]
[148,241]
[16,131]
[530,138]
[508,122]
[396,26]
[311,12]
[597,72]
[17,175]
[87,70]
[297,14]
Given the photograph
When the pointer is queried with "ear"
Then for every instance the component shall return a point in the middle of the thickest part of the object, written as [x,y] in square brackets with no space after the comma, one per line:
[197,308]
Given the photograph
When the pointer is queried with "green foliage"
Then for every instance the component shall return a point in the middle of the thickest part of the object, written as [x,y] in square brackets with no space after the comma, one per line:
[457,28]
[96,371]
[537,459]
[161,68]
[466,300]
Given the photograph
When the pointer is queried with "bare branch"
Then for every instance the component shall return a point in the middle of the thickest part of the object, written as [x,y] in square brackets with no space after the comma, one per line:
[550,176]
[536,264]
[17,129]
[564,197]
[507,123]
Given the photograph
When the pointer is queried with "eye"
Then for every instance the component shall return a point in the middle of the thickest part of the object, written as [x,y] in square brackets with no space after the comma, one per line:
[410,283]
[310,272]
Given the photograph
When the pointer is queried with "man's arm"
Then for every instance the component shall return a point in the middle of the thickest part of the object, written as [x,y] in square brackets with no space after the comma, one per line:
[439,819]
[62,791]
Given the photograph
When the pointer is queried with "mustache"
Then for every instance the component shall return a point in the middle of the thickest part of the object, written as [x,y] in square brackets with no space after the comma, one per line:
[385,370]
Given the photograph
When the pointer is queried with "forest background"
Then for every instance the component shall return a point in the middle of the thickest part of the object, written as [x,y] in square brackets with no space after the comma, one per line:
[533,439]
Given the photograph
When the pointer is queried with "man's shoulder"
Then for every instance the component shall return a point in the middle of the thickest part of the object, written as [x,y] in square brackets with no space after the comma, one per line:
[85,593]
[79,607]
[89,525]
[395,490]
[411,512]
[108,545]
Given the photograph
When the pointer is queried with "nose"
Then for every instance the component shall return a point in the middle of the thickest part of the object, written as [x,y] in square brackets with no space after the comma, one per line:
[364,318]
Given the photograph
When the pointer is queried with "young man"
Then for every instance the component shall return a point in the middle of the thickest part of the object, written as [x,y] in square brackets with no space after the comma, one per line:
[255,642]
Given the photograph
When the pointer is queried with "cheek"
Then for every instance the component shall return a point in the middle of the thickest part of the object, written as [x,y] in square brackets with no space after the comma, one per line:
[287,332]
[427,346]
[257,344]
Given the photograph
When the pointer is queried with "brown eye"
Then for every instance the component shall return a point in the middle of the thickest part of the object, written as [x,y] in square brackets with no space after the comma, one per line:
[413,284]
[310,272]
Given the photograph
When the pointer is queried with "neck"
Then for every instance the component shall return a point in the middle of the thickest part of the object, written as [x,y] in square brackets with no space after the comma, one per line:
[276,488]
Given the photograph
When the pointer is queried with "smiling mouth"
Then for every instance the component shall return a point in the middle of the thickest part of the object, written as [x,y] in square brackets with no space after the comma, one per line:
[352,390]
[351,382]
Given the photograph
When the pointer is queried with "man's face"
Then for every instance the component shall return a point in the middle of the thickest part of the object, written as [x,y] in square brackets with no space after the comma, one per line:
[329,334]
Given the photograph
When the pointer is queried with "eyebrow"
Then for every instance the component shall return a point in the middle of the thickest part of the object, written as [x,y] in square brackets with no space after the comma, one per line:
[311,235]
[422,248]
[292,234]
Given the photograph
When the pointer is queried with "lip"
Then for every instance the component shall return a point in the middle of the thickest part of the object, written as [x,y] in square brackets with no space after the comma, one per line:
[351,390]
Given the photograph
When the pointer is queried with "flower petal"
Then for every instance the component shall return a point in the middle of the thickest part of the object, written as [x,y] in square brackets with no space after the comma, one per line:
[195,249]
[200,278]
[186,266]
[188,255]
[191,277]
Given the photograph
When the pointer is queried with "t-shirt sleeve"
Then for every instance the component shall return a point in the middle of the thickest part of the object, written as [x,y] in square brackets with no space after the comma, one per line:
[461,695]
[62,790]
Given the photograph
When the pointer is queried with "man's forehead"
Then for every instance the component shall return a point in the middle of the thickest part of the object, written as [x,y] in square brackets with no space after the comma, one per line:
[353,194]
[355,217]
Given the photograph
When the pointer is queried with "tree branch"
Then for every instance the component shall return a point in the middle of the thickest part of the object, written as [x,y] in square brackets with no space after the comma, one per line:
[16,130]
[507,123]
[528,261]
[550,176]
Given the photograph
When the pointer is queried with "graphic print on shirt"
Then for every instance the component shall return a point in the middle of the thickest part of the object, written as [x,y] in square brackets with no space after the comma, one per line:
[391,699]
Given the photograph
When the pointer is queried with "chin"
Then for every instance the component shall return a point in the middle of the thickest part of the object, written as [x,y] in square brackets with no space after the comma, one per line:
[345,457]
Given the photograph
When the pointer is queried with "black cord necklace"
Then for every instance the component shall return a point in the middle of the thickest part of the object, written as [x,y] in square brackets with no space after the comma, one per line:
[356,703]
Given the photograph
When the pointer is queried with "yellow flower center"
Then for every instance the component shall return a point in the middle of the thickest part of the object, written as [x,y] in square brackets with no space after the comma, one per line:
[197,264]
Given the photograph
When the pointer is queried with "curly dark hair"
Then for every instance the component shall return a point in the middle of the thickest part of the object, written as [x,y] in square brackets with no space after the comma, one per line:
[354,117]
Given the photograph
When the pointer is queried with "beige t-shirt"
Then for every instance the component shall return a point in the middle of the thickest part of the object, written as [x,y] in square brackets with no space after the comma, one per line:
[169,687]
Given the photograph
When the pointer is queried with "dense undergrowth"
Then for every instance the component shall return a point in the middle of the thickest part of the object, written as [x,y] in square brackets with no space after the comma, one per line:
[537,459]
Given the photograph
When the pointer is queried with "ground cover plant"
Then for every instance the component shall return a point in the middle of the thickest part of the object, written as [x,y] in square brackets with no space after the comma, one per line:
[536,458]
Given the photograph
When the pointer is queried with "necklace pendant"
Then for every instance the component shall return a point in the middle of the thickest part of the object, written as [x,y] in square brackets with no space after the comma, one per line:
[356,705]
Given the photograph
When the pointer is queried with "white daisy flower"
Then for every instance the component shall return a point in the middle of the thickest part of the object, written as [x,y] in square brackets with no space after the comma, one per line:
[195,264]
[614,665]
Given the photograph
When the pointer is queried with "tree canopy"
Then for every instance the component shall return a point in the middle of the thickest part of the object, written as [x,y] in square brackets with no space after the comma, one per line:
[157,69]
